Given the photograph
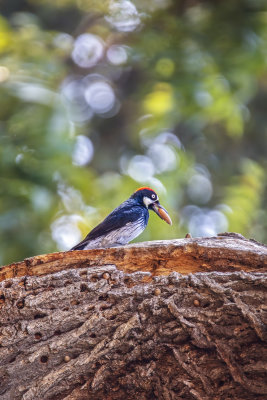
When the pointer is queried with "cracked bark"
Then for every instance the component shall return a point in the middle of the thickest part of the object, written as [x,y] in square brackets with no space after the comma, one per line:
[182,319]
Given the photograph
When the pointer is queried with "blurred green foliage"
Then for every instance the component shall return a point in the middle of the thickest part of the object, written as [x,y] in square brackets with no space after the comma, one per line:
[99,98]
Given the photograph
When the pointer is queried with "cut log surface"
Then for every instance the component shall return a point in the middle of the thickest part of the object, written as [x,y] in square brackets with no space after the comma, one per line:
[180,319]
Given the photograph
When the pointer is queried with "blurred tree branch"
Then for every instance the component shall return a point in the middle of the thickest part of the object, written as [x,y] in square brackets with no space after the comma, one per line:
[93,92]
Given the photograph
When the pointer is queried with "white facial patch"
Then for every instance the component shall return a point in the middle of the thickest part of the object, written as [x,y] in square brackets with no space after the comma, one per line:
[147,201]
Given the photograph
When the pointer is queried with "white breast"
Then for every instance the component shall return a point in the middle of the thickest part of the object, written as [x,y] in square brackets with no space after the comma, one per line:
[118,237]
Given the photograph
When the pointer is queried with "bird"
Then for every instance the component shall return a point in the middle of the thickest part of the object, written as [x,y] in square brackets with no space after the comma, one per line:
[125,222]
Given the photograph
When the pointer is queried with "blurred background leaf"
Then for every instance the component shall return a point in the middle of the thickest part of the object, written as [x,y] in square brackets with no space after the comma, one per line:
[99,98]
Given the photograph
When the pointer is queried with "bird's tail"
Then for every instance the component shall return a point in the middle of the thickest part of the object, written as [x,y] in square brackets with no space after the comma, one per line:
[87,244]
[78,246]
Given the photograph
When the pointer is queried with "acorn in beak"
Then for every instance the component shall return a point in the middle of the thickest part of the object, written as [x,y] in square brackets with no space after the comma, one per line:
[161,212]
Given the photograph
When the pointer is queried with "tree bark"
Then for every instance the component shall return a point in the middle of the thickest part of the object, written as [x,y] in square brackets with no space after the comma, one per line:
[181,319]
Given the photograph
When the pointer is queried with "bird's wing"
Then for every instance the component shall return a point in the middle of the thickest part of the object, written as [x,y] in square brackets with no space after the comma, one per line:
[115,220]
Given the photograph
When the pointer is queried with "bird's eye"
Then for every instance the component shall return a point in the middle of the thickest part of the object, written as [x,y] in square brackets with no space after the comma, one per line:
[153,196]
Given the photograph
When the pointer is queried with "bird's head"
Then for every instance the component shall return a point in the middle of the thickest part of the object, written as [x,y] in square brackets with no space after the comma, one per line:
[148,198]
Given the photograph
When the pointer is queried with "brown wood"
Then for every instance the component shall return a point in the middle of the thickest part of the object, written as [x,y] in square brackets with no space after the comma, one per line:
[231,252]
[182,319]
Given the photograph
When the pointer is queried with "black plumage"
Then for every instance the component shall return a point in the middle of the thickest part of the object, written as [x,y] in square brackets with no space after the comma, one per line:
[124,223]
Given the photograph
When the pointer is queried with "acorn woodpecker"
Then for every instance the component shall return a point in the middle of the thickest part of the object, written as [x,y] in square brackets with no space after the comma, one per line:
[126,222]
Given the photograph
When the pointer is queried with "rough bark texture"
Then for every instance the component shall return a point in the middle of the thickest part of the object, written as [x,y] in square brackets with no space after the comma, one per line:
[124,323]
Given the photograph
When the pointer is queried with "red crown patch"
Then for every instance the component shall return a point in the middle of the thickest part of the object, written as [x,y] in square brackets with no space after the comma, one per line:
[144,187]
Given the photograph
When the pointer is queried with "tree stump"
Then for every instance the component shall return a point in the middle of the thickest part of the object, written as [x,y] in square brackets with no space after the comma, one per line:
[180,319]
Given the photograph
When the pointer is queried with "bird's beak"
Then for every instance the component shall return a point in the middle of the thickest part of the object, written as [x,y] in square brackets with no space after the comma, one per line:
[161,212]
